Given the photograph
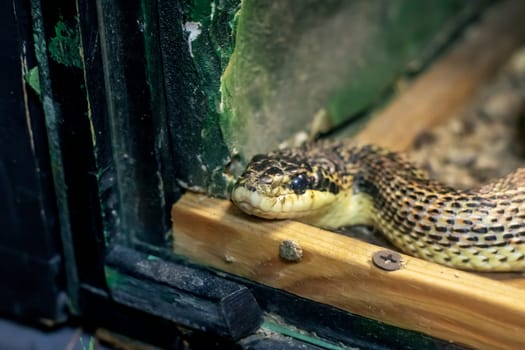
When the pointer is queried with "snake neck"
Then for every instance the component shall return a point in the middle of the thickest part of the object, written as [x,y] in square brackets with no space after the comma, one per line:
[374,178]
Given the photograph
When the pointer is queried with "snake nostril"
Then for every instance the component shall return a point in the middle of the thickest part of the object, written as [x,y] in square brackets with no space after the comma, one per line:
[265,179]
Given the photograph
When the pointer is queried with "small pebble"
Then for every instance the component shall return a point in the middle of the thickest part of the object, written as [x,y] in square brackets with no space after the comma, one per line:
[290,251]
[424,138]
[229,259]
[461,157]
[501,105]
[486,162]
[456,126]
[517,62]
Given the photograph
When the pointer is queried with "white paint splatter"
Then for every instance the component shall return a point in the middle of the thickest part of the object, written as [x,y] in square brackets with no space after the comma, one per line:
[194,30]
[212,12]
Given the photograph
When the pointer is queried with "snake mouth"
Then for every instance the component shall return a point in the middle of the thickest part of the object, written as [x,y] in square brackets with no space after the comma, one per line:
[283,206]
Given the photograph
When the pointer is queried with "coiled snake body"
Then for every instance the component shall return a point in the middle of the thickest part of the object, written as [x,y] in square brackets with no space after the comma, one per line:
[333,184]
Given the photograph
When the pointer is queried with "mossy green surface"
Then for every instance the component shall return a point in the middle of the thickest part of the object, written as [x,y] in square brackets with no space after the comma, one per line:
[33,80]
[64,47]
[294,59]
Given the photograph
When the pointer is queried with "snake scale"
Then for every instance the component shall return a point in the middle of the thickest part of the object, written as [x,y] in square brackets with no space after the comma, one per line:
[332,184]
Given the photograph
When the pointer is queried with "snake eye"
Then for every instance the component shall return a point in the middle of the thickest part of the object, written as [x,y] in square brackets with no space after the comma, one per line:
[299,184]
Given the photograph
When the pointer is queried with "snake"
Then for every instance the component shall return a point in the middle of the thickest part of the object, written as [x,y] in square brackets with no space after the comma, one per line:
[333,184]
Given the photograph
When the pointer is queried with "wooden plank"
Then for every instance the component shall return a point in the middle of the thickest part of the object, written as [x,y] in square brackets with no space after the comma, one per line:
[449,304]
[441,92]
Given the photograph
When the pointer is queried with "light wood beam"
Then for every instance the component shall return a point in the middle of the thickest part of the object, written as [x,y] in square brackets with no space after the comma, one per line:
[337,270]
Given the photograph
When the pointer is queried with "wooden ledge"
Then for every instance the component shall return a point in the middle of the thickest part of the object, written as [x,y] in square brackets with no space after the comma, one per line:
[337,270]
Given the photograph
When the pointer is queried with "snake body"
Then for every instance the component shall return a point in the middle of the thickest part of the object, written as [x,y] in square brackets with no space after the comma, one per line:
[332,184]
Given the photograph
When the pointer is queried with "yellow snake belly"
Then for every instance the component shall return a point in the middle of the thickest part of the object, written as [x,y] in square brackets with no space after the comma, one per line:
[334,184]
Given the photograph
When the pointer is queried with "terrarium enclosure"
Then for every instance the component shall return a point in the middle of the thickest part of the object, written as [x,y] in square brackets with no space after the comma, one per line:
[131,120]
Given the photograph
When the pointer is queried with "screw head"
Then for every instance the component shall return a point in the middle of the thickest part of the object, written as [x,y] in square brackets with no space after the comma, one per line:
[387,260]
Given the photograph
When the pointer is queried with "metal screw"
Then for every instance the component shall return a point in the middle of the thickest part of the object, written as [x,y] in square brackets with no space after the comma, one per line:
[387,260]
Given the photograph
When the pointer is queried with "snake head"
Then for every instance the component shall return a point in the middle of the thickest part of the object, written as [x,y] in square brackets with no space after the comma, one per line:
[286,184]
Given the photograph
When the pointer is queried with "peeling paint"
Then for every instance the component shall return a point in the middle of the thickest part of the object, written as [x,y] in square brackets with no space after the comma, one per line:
[32,78]
[194,30]
[64,46]
[212,11]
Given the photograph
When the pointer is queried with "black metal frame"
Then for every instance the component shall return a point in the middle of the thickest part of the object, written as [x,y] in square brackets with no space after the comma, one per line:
[30,248]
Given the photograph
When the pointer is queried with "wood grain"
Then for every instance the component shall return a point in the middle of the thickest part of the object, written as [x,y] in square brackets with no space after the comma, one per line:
[442,91]
[449,304]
